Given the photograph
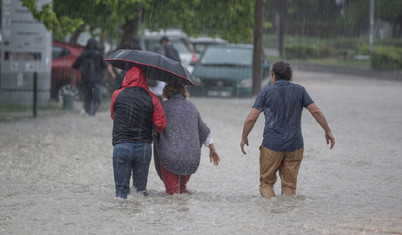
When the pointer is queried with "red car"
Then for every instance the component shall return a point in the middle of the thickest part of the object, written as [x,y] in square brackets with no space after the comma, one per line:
[63,57]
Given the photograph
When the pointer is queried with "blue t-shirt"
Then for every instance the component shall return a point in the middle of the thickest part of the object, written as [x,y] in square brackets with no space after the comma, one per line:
[282,104]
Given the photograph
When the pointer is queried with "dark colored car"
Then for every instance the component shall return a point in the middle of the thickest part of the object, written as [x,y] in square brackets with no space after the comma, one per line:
[63,57]
[226,71]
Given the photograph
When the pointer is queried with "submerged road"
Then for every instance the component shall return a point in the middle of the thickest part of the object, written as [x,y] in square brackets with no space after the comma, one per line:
[56,173]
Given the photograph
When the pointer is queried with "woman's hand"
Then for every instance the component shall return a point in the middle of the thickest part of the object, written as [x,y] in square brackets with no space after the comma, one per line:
[213,155]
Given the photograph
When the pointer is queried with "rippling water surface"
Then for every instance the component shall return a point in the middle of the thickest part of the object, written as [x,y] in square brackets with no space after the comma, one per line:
[56,172]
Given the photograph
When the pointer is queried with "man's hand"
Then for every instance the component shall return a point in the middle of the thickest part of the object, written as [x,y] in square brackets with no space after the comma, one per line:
[330,139]
[242,143]
[248,126]
[320,118]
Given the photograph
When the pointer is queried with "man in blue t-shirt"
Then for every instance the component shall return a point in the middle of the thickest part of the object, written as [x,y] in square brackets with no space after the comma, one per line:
[282,145]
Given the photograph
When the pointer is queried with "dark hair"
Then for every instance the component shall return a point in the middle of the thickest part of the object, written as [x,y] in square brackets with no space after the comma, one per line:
[282,71]
[92,44]
[164,39]
[172,89]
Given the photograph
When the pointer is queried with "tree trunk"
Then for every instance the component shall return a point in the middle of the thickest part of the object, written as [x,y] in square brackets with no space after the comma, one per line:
[283,12]
[130,28]
[257,51]
[75,35]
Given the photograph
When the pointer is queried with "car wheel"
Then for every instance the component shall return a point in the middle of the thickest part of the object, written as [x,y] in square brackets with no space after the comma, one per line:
[69,90]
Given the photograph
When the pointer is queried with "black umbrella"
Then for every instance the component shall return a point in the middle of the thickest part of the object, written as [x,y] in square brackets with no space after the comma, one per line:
[155,66]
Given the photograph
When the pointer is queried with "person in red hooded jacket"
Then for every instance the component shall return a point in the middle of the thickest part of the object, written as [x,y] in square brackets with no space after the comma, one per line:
[136,113]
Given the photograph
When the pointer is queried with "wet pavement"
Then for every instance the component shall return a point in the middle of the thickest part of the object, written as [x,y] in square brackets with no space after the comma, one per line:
[56,172]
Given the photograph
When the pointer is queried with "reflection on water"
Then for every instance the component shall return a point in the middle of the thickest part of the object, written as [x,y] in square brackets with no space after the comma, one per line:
[56,173]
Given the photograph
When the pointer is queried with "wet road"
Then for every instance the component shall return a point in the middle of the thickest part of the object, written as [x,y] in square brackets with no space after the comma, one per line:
[56,172]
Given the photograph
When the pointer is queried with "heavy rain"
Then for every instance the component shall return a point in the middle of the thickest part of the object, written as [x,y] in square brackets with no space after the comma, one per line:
[56,152]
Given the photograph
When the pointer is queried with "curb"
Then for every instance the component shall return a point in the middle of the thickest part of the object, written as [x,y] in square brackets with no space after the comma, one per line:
[368,73]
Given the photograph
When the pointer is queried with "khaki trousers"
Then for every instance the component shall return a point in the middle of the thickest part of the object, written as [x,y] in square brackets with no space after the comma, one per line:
[288,164]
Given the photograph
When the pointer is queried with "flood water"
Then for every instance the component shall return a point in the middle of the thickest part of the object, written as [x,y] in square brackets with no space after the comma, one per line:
[56,173]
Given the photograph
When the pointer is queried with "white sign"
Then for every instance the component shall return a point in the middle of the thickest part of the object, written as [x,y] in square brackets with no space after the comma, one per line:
[20,31]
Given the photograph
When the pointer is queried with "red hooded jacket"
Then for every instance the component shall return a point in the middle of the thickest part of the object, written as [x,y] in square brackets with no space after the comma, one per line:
[134,110]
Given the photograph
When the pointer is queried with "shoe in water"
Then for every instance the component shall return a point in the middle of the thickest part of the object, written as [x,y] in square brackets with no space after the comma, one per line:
[144,192]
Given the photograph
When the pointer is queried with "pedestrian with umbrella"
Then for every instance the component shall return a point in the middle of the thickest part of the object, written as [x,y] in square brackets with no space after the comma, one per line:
[177,150]
[136,113]
[135,110]
[179,157]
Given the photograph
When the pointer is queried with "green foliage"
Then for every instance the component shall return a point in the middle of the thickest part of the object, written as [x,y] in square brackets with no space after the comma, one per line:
[386,58]
[304,51]
[230,19]
[396,42]
[355,18]
[390,10]
[363,48]
[59,25]
[324,18]
[316,51]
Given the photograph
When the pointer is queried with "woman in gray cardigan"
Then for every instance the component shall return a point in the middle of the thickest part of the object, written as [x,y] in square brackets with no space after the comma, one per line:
[177,151]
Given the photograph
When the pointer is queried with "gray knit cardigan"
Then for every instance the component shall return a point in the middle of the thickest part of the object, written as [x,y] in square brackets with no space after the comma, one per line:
[178,149]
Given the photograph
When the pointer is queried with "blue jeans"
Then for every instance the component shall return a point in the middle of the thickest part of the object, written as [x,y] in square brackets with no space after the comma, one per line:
[128,156]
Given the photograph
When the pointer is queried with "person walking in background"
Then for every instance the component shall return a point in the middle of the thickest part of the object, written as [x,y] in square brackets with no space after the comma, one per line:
[178,149]
[121,73]
[135,111]
[92,65]
[282,145]
[166,49]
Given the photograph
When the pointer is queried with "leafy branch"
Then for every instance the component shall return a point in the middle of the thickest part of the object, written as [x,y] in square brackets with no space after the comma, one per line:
[59,25]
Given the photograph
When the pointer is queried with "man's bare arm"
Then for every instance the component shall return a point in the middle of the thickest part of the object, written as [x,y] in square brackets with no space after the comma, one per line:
[320,118]
[248,126]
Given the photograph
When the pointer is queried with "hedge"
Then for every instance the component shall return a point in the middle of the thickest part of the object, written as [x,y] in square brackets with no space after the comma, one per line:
[304,51]
[386,58]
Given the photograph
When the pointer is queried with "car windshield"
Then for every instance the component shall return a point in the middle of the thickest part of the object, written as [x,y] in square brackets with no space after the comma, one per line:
[227,56]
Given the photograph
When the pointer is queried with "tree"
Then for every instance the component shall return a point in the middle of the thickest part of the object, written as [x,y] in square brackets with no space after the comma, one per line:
[391,11]
[283,12]
[60,24]
[257,50]
[355,18]
[230,19]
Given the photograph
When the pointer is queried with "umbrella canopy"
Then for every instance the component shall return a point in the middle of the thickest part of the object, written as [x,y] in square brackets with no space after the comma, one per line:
[155,66]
